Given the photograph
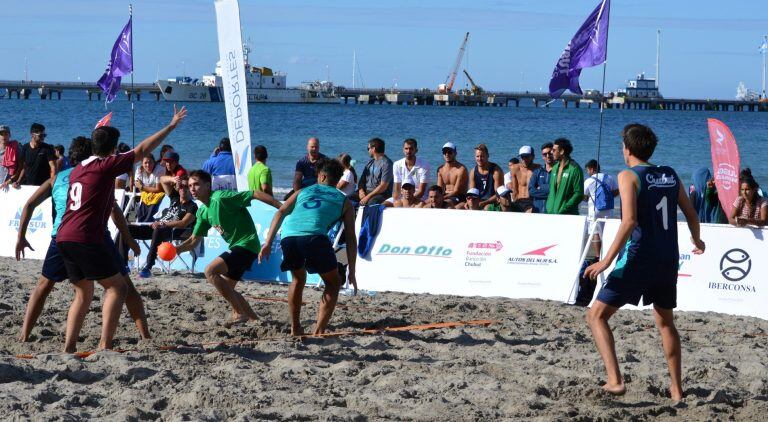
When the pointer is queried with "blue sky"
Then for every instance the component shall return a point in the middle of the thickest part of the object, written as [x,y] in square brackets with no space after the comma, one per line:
[708,47]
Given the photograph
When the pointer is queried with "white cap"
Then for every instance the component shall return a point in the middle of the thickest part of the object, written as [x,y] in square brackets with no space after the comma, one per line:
[502,190]
[450,145]
[526,150]
[473,192]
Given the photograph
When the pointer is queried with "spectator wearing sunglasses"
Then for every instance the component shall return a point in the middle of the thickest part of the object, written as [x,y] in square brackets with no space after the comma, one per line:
[538,186]
[37,159]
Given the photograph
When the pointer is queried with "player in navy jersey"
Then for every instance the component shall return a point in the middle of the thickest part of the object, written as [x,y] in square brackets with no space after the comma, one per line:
[647,251]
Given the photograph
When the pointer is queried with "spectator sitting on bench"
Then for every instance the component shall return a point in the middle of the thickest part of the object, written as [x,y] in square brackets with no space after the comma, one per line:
[179,215]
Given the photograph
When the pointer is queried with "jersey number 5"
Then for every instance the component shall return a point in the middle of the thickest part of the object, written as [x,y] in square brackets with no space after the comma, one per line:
[76,195]
[662,205]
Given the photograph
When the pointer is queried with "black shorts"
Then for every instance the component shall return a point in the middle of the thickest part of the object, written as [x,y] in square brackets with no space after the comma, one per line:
[315,253]
[90,261]
[238,260]
[656,284]
[456,199]
[522,205]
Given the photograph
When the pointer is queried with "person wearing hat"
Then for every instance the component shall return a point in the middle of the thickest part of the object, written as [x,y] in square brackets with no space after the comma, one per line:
[473,200]
[174,173]
[521,176]
[503,200]
[452,176]
[221,167]
[9,153]
[407,198]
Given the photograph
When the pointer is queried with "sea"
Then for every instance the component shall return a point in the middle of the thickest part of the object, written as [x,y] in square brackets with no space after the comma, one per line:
[284,129]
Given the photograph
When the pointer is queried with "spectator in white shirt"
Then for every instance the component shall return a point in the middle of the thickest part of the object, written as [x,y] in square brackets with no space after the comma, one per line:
[410,168]
[599,184]
[348,182]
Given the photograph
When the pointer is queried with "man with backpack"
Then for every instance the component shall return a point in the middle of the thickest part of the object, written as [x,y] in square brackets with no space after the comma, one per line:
[599,191]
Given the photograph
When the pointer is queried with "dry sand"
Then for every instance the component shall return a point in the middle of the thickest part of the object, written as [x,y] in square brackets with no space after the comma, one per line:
[537,362]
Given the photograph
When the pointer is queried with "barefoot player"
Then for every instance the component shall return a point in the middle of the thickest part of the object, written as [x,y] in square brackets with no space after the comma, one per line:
[309,213]
[227,212]
[646,245]
[80,238]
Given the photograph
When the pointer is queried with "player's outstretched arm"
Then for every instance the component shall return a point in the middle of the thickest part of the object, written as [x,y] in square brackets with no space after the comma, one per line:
[692,218]
[189,244]
[628,185]
[41,194]
[285,209]
[146,146]
[351,241]
[267,199]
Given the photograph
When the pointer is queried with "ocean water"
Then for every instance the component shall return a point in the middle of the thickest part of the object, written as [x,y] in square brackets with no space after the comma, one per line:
[284,130]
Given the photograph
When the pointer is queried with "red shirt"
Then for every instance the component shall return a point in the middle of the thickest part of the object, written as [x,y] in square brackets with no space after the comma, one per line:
[91,197]
[179,172]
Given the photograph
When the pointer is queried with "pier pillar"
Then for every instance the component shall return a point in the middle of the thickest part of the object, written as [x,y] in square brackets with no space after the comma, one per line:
[565,103]
[517,103]
[158,95]
[536,103]
[577,104]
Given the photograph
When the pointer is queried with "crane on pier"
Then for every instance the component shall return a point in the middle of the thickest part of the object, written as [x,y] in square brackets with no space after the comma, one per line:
[446,87]
[475,90]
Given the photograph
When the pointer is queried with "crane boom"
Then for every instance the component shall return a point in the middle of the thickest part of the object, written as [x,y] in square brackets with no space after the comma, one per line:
[471,81]
[452,76]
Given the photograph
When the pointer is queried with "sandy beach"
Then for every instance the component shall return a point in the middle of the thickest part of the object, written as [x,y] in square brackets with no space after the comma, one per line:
[536,360]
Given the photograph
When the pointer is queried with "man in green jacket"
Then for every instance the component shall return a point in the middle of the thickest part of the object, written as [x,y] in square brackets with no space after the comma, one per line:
[566,181]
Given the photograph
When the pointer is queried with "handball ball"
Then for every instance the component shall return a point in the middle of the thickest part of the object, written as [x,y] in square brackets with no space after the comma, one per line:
[166,251]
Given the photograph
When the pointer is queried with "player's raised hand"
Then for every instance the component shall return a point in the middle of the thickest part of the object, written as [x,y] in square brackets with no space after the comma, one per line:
[700,246]
[21,244]
[178,115]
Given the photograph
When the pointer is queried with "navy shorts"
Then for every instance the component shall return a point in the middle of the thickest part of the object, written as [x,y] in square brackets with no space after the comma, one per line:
[656,284]
[315,253]
[92,261]
[53,266]
[238,260]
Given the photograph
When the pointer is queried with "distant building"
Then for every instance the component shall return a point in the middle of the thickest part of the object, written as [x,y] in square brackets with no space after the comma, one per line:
[643,87]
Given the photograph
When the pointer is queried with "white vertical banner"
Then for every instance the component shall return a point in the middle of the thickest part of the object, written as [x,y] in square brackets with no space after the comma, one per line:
[233,79]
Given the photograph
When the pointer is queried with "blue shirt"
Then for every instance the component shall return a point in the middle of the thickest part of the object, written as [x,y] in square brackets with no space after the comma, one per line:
[308,170]
[538,189]
[220,164]
[316,209]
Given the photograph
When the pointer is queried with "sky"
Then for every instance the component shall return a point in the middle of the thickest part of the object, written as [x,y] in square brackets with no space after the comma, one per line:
[707,47]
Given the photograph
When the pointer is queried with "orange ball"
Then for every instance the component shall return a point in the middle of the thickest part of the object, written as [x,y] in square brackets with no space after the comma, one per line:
[166,251]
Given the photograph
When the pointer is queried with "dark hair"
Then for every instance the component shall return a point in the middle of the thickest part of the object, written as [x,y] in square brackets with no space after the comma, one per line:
[639,140]
[412,142]
[151,157]
[565,145]
[224,145]
[745,176]
[122,148]
[165,148]
[435,188]
[36,128]
[332,168]
[346,161]
[79,150]
[104,140]
[547,145]
[201,175]
[483,148]
[260,153]
[377,144]
[59,148]
[593,164]
[514,160]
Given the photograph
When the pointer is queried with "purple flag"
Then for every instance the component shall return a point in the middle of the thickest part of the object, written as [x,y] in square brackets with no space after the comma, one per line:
[587,48]
[120,63]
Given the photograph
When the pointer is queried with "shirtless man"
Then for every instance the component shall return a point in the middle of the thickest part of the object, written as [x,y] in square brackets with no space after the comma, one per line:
[407,199]
[436,199]
[452,176]
[521,175]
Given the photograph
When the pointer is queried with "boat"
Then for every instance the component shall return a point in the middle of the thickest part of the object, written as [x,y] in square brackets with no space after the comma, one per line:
[263,85]
[642,87]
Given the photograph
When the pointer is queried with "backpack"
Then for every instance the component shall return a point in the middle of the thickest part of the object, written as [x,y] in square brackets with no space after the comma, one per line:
[603,195]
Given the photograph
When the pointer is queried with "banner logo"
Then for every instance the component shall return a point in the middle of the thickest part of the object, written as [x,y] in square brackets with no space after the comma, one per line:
[35,223]
[735,264]
[421,250]
[535,257]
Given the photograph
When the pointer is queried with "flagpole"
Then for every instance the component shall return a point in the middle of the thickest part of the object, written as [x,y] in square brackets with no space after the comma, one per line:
[602,105]
[133,110]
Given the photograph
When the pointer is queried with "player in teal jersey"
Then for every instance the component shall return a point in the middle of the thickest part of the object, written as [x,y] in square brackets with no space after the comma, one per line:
[647,249]
[53,267]
[309,213]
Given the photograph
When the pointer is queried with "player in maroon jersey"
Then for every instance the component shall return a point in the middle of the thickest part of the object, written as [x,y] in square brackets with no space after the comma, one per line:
[81,234]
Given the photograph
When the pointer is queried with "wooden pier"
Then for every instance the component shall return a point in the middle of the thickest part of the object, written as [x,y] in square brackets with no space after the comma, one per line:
[51,89]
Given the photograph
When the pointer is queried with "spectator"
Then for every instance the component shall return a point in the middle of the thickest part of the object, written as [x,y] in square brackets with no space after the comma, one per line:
[37,160]
[435,198]
[599,191]
[260,176]
[9,154]
[122,181]
[407,198]
[538,187]
[221,166]
[410,168]
[165,148]
[704,198]
[473,200]
[486,176]
[348,181]
[521,177]
[508,175]
[306,167]
[376,181]
[179,215]
[62,161]
[566,190]
[147,182]
[503,200]
[452,176]
[749,208]
[174,170]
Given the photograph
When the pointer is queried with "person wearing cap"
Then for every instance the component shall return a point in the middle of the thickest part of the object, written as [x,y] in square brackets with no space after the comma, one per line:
[410,168]
[486,177]
[221,166]
[452,176]
[473,200]
[436,199]
[37,160]
[538,186]
[174,172]
[9,154]
[566,185]
[521,176]
[407,198]
[503,200]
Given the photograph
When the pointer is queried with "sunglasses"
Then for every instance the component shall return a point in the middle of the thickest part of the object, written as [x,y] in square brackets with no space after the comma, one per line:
[548,153]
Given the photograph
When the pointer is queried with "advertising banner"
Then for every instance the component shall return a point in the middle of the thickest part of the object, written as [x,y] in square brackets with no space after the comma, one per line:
[731,276]
[474,253]
[725,163]
[40,225]
[235,95]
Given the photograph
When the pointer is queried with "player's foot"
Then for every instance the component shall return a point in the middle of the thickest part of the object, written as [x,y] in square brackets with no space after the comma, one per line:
[23,338]
[676,395]
[297,331]
[145,273]
[235,321]
[615,389]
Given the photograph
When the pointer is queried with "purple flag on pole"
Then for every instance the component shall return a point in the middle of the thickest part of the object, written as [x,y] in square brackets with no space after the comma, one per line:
[587,48]
[120,63]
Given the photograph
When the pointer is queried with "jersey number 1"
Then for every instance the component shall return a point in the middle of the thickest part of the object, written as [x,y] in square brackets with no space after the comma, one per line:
[662,205]
[76,195]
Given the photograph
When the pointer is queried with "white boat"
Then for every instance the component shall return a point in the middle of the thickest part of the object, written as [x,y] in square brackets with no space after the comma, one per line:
[262,86]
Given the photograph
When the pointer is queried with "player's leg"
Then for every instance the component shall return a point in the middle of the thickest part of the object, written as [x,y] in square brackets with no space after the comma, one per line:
[321,259]
[670,339]
[332,282]
[213,273]
[295,293]
[77,310]
[135,306]
[114,298]
[244,305]
[597,318]
[35,306]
